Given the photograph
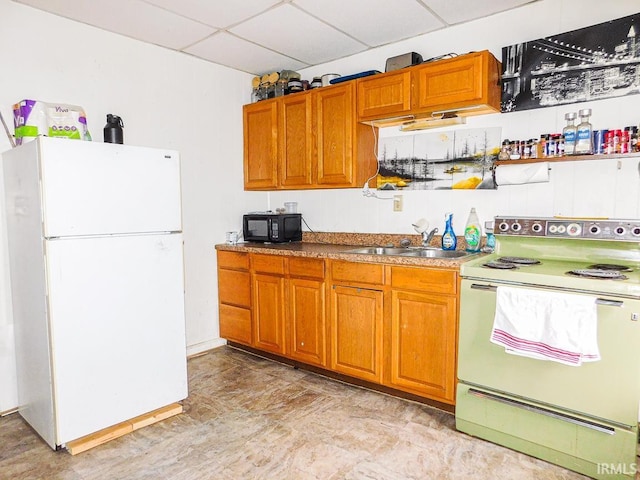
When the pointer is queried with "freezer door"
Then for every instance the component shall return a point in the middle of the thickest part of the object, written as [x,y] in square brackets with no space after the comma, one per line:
[117,329]
[91,188]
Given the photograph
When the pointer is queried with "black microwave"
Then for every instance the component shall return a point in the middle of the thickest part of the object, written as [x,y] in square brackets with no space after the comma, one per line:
[272,227]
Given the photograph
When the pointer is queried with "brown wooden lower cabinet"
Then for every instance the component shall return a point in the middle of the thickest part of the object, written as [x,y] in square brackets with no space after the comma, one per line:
[423,356]
[234,295]
[393,326]
[268,312]
[356,332]
[307,324]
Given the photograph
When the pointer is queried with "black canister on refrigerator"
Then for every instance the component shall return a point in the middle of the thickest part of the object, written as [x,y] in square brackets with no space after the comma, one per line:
[113,129]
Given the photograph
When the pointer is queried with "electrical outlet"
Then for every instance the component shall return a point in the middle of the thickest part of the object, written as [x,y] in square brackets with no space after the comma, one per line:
[397,203]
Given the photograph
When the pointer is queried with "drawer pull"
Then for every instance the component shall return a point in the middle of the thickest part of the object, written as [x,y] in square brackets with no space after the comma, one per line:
[543,411]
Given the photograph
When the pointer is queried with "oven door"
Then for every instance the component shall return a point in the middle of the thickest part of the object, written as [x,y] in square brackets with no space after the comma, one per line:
[607,389]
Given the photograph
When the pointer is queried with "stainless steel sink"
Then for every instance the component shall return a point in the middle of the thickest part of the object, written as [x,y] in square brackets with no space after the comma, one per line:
[433,253]
[410,252]
[379,251]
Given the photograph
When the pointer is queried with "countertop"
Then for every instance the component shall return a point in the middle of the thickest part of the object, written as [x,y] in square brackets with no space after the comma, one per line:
[338,252]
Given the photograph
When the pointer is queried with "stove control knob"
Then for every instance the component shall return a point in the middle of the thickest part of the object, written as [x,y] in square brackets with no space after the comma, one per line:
[516,227]
[635,231]
[574,229]
[594,229]
[620,230]
[562,229]
[503,227]
[536,227]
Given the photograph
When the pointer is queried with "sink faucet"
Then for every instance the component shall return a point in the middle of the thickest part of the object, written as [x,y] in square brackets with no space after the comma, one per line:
[427,237]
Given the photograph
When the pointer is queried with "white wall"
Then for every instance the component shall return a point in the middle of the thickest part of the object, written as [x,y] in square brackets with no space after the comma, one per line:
[595,188]
[167,100]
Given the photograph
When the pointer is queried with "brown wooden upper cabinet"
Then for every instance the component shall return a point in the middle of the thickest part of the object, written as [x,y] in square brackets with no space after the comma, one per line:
[307,140]
[466,85]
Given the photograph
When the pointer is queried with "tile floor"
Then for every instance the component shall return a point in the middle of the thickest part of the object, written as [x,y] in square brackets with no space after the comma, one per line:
[251,418]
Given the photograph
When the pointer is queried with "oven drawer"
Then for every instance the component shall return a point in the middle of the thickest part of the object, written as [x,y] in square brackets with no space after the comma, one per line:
[575,442]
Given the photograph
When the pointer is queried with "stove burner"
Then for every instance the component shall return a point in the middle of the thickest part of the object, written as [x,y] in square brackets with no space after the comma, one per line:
[598,273]
[519,260]
[610,267]
[500,265]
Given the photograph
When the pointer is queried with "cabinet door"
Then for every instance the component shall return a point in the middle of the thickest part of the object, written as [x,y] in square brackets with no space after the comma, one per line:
[260,121]
[335,123]
[296,141]
[356,332]
[307,320]
[268,312]
[384,96]
[450,84]
[423,344]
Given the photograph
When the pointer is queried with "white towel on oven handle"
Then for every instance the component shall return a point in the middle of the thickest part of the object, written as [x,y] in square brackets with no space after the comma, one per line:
[547,325]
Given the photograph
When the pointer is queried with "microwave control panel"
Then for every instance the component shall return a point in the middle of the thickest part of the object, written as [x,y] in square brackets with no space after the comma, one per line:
[593,229]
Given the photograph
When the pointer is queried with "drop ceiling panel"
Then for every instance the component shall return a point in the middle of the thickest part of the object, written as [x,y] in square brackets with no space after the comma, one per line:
[258,36]
[216,13]
[374,22]
[458,11]
[296,34]
[132,18]
[231,51]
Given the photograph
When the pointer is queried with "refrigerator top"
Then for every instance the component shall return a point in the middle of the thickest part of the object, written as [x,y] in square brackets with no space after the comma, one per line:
[90,188]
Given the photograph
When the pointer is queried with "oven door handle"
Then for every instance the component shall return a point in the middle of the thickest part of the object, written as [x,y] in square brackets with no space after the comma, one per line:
[599,301]
[480,286]
[610,303]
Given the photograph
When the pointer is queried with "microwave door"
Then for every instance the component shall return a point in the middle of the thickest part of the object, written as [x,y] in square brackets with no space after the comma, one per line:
[258,228]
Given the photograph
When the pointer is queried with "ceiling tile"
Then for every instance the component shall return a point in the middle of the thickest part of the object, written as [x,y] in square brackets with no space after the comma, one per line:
[234,52]
[458,11]
[374,22]
[289,30]
[132,18]
[217,13]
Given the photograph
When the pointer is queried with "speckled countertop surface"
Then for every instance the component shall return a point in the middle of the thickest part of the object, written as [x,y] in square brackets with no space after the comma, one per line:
[335,246]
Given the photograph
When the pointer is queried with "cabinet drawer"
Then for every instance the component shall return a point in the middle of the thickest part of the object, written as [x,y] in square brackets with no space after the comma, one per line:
[267,264]
[234,287]
[235,324]
[357,272]
[306,267]
[233,260]
[424,279]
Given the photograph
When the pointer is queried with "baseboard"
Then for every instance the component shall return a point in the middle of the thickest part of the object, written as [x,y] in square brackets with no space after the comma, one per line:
[198,348]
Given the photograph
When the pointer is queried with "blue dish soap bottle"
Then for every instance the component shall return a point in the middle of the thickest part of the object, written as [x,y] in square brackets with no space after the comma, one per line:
[449,240]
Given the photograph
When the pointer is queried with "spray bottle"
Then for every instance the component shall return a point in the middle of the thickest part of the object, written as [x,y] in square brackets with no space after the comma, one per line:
[449,240]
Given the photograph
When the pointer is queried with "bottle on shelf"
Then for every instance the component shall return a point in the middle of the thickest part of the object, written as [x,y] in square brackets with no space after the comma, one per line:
[505,151]
[449,240]
[584,135]
[543,148]
[570,132]
[472,232]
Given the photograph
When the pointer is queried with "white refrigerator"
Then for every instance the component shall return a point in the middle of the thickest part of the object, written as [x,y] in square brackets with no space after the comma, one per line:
[97,281]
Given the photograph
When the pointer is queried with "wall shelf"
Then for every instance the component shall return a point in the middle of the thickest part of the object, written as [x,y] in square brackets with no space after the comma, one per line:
[569,158]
